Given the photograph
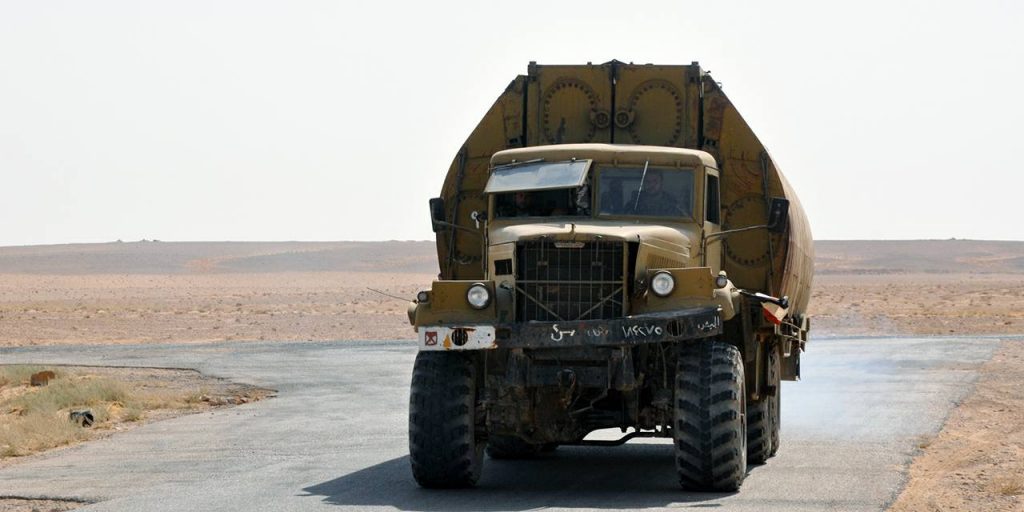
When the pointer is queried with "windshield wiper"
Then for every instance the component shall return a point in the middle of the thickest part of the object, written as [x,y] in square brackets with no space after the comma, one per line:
[517,164]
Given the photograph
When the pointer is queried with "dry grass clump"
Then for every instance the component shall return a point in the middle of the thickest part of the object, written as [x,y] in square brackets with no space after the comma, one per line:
[14,375]
[34,419]
[924,441]
[1009,486]
[37,431]
[67,392]
[39,505]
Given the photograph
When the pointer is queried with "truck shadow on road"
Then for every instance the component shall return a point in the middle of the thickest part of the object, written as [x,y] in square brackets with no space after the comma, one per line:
[626,477]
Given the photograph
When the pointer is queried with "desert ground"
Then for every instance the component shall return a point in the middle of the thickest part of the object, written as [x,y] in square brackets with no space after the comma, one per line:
[161,292]
[194,292]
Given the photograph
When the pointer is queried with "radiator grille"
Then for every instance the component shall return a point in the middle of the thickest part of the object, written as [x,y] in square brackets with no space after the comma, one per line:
[570,282]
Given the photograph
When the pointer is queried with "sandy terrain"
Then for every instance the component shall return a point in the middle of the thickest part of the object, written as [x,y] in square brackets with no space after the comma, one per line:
[155,291]
[194,292]
[138,308]
[876,304]
[183,292]
[977,460]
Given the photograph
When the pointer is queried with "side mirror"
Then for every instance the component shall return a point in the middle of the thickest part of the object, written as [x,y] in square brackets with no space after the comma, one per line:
[778,215]
[437,214]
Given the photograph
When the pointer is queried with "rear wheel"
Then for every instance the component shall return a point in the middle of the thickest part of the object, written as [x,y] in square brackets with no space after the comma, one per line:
[710,423]
[444,448]
[777,411]
[763,418]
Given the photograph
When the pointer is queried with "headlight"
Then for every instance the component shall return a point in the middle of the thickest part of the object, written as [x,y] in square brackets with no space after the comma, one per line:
[721,280]
[478,296]
[662,284]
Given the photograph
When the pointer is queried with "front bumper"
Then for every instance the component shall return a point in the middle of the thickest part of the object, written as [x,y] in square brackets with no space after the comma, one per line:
[692,323]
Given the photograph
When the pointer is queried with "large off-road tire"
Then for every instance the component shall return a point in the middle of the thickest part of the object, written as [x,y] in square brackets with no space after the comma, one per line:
[444,448]
[710,423]
[763,416]
[511,447]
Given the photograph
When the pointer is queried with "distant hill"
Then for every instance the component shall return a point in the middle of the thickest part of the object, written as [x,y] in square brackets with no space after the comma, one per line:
[908,256]
[832,257]
[219,257]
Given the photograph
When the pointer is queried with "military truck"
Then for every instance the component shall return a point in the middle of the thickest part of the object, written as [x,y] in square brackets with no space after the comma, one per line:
[617,250]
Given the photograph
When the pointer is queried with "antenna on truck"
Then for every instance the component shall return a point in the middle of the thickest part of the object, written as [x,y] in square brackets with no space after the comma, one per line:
[636,204]
[403,299]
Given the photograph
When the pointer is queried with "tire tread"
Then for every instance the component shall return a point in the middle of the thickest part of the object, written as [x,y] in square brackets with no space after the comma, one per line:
[443,449]
[709,424]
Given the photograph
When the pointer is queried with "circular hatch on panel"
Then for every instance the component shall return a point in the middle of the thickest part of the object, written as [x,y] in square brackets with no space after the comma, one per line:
[566,109]
[749,248]
[657,108]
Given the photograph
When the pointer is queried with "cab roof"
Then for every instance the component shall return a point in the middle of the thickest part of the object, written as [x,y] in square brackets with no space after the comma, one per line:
[620,153]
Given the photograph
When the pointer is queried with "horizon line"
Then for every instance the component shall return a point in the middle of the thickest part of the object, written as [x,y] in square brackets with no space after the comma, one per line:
[154,240]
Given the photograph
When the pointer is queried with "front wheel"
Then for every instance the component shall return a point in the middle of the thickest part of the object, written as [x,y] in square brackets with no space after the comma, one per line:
[444,448]
[710,417]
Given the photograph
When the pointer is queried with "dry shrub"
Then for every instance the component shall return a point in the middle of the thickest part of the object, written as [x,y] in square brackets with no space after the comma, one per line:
[62,394]
[1009,486]
[34,419]
[37,431]
[132,413]
[38,418]
[924,441]
[18,374]
[198,397]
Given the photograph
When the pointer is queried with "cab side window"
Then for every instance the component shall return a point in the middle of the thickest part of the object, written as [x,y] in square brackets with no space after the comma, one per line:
[713,208]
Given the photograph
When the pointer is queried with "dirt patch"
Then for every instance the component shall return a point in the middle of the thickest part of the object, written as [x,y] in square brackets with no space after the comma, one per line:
[142,308]
[34,419]
[911,304]
[328,306]
[186,292]
[31,505]
[977,461]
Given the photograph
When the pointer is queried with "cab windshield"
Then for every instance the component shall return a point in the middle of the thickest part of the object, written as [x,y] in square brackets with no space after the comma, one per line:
[541,189]
[557,189]
[643,191]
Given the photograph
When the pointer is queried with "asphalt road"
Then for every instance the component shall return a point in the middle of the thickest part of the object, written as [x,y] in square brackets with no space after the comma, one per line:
[335,437]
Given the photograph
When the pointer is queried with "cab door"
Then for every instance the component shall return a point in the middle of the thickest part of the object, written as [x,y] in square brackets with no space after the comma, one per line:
[712,206]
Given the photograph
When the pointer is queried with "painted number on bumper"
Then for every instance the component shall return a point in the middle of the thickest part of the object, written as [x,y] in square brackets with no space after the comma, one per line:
[470,337]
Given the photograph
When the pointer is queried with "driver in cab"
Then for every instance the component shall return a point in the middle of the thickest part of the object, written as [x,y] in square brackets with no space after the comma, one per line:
[652,199]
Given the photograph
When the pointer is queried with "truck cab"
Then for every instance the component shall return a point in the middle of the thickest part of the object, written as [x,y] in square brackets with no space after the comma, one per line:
[583,239]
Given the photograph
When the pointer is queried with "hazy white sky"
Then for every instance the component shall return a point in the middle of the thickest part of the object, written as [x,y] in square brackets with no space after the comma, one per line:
[298,120]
